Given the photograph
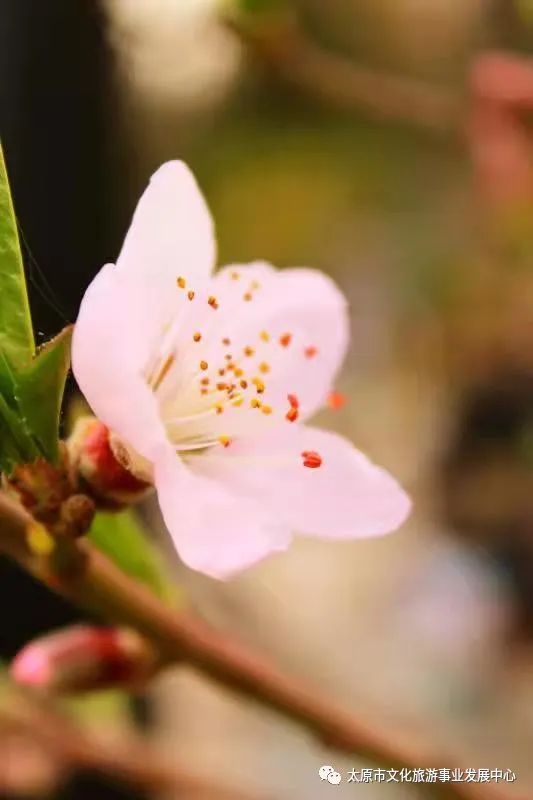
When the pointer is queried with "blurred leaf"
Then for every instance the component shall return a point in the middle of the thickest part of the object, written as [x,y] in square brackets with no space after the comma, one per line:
[16,333]
[39,392]
[121,537]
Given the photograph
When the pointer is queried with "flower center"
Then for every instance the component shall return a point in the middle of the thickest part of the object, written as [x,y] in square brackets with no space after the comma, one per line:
[210,381]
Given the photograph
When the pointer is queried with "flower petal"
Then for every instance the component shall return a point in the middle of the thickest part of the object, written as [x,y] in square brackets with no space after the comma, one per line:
[345,497]
[107,361]
[171,233]
[215,529]
[296,323]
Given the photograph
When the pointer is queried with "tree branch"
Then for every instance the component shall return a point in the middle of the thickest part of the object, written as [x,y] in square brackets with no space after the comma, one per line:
[94,583]
[340,82]
[133,761]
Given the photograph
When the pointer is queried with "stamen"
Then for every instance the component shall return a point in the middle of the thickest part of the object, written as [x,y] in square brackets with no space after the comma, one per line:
[181,282]
[204,365]
[264,367]
[243,384]
[312,459]
[336,400]
[226,341]
[255,285]
[238,401]
[237,371]
[219,408]
[212,301]
[249,351]
[310,352]
[163,372]
[285,339]
[259,385]
[293,401]
[292,414]
[190,295]
[222,386]
[222,371]
[225,441]
[255,403]
[264,336]
[228,357]
[247,296]
[266,409]
[235,276]
[197,337]
[204,381]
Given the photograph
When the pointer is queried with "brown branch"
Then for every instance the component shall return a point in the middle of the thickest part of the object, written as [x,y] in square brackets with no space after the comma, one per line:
[340,82]
[133,761]
[96,584]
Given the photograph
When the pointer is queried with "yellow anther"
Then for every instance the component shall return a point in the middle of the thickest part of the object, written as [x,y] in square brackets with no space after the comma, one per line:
[266,409]
[212,301]
[238,401]
[244,384]
[204,381]
[225,441]
[228,357]
[203,391]
[226,341]
[204,365]
[255,403]
[264,367]
[247,296]
[249,351]
[197,337]
[259,385]
[181,282]
[222,386]
[190,295]
[264,336]
[235,276]
[238,372]
[219,408]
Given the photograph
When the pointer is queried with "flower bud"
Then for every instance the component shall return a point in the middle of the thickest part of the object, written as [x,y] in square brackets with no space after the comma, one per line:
[107,477]
[84,658]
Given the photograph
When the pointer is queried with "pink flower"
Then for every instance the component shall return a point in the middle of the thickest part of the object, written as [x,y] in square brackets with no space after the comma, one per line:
[207,380]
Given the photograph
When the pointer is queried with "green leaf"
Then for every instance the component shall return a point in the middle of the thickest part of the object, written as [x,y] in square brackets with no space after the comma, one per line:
[121,537]
[16,443]
[39,392]
[16,333]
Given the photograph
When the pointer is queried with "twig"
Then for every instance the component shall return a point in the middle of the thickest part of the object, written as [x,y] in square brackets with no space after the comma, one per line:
[133,761]
[99,586]
[342,83]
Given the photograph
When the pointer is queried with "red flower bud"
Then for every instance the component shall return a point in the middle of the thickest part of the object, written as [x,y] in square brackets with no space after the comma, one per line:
[94,456]
[83,658]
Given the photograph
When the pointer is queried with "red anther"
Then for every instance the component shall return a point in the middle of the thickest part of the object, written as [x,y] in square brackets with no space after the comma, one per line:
[293,401]
[336,400]
[311,459]
[285,339]
[292,414]
[310,352]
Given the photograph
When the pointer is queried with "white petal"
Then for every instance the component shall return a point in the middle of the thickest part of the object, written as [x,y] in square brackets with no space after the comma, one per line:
[346,497]
[107,361]
[216,530]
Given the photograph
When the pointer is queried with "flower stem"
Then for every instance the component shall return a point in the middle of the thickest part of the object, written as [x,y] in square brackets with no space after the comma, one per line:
[97,585]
